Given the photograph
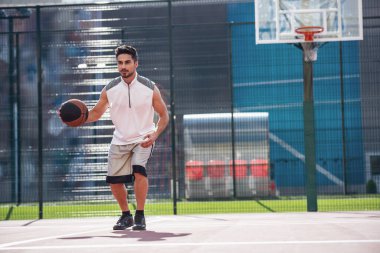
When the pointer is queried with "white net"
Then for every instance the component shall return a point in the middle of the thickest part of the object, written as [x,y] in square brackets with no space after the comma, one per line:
[310,51]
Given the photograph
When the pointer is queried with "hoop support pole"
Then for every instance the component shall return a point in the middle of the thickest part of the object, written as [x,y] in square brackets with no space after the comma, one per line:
[309,137]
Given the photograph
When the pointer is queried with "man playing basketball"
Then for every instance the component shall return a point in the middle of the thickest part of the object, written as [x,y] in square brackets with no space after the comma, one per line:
[133,101]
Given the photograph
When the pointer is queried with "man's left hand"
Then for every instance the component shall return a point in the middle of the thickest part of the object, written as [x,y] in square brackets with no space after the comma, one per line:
[148,140]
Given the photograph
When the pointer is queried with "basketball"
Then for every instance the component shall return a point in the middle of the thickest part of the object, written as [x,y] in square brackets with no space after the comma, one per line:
[73,112]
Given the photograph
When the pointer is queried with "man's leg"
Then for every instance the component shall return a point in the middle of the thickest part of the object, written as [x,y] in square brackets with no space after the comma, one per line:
[120,193]
[141,190]
[139,161]
[119,173]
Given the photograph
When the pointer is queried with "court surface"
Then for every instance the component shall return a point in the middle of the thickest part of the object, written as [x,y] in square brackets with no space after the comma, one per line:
[340,232]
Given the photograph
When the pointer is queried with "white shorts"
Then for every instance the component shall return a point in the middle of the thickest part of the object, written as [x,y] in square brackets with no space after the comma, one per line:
[125,160]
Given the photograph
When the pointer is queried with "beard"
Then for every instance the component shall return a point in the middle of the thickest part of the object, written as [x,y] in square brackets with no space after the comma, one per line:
[126,74]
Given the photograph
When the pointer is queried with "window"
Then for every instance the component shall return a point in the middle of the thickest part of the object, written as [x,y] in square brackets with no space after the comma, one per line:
[375,164]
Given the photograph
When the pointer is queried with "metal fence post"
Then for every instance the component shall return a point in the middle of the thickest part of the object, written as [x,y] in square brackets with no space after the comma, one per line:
[172,111]
[232,111]
[40,114]
[344,161]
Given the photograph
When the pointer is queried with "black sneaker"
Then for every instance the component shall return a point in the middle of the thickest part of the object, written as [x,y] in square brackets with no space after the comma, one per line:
[125,221]
[139,222]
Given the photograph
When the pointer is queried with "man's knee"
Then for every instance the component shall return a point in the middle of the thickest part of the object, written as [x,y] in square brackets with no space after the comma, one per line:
[116,186]
[139,170]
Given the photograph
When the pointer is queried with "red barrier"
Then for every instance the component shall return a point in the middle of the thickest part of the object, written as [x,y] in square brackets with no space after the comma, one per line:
[194,170]
[240,168]
[215,169]
[259,168]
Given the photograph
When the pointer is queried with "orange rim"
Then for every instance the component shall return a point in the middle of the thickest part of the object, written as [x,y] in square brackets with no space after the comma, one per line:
[309,31]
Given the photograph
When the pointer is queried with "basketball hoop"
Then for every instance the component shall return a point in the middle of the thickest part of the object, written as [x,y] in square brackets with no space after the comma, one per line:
[310,48]
[309,31]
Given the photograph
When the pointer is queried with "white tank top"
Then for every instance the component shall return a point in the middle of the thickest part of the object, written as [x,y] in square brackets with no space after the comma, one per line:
[131,109]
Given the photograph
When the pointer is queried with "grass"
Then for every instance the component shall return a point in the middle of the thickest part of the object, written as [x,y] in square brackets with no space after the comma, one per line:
[91,209]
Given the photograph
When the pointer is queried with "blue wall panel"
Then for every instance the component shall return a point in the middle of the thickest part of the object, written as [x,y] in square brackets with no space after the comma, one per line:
[269,78]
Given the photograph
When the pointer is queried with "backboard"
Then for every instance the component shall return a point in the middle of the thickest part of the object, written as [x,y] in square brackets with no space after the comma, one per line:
[277,20]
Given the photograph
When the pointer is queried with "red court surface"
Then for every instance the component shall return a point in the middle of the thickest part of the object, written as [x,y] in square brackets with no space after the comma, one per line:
[341,232]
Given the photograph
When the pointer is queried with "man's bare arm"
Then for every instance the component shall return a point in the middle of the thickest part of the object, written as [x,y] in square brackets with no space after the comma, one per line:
[162,111]
[99,109]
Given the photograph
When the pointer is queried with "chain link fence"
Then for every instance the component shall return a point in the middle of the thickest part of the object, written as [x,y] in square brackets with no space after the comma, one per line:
[236,138]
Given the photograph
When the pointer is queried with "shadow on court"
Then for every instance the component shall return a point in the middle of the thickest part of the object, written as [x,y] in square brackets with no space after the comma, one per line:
[142,236]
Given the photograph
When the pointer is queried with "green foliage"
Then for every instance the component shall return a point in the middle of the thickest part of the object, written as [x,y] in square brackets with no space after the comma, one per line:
[371,187]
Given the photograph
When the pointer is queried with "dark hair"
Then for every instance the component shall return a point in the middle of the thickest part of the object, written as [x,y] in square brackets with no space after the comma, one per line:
[125,49]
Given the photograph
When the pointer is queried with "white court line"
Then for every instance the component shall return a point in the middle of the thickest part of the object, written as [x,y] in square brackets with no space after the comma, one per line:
[47,226]
[289,81]
[145,244]
[6,245]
